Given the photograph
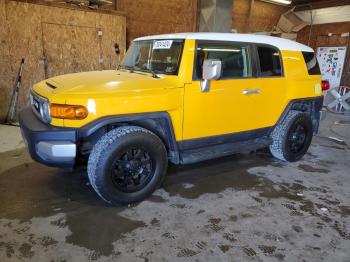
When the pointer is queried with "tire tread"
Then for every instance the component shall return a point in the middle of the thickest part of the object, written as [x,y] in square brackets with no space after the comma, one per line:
[103,143]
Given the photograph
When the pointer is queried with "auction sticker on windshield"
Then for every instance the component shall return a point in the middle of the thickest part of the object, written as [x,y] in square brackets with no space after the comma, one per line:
[162,44]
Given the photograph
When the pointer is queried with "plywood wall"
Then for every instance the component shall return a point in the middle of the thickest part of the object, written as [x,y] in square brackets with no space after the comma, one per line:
[264,16]
[320,37]
[145,17]
[53,41]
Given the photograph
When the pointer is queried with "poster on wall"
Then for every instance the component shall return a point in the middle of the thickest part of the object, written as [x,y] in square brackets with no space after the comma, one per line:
[331,61]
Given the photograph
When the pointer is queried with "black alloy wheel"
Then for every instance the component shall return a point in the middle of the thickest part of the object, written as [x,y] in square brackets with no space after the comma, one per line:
[127,165]
[292,137]
[132,170]
[297,138]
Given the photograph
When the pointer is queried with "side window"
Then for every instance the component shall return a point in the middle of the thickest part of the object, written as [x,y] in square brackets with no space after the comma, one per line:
[311,63]
[235,59]
[269,61]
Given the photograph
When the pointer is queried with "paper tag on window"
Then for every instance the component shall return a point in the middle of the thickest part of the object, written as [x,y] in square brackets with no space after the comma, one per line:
[163,44]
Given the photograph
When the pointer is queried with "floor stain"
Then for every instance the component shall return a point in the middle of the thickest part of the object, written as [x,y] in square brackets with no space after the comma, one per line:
[9,249]
[26,250]
[249,251]
[75,199]
[47,241]
[336,141]
[202,245]
[268,250]
[187,253]
[47,192]
[230,237]
[225,248]
[233,173]
[308,168]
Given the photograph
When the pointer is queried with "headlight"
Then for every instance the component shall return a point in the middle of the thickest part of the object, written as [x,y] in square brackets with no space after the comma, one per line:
[40,106]
[68,111]
[45,112]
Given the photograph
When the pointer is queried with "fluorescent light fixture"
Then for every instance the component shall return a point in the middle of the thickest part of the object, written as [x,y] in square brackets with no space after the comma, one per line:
[278,2]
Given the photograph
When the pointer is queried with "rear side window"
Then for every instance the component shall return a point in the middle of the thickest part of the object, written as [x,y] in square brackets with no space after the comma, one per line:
[269,61]
[234,58]
[311,63]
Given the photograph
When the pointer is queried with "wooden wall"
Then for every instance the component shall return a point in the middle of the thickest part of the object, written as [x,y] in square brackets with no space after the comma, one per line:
[320,37]
[53,40]
[264,15]
[145,17]
[319,34]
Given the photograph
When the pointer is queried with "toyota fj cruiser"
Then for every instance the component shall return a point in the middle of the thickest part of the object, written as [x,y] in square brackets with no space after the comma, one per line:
[182,98]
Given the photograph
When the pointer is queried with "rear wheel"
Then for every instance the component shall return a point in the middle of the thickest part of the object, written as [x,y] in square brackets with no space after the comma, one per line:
[127,164]
[292,137]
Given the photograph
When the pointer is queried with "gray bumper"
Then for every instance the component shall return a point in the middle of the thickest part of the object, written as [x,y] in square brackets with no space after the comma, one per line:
[56,151]
[49,145]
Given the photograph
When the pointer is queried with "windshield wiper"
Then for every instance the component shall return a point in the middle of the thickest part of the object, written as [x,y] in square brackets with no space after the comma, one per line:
[154,75]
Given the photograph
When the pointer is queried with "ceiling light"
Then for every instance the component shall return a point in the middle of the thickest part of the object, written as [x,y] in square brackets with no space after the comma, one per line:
[278,2]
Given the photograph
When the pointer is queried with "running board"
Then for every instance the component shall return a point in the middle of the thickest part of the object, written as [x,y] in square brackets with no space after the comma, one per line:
[206,153]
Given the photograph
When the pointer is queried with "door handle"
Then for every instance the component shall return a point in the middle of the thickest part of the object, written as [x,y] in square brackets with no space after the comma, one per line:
[251,92]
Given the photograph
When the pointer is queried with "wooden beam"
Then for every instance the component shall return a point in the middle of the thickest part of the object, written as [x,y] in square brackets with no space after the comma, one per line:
[321,4]
[250,15]
[195,14]
[69,6]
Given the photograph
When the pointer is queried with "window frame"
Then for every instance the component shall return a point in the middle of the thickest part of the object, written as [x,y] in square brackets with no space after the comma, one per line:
[257,60]
[312,72]
[250,53]
[176,73]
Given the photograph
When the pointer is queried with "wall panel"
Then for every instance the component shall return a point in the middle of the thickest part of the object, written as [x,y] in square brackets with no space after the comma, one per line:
[146,17]
[54,40]
[263,18]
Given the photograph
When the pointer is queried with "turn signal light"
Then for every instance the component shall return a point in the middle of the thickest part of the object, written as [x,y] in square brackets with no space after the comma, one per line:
[325,85]
[68,111]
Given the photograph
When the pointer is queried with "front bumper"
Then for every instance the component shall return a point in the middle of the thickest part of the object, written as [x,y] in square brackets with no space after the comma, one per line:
[50,145]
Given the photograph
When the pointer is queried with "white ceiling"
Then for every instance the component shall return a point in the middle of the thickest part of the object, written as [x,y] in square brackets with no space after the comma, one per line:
[326,15]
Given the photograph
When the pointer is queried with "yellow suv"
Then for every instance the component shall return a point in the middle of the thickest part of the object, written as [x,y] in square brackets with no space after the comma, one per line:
[182,98]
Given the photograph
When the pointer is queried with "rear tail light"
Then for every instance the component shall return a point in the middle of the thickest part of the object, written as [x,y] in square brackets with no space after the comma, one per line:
[325,85]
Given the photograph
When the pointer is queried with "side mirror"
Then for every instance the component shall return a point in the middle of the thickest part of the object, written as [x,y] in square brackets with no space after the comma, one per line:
[212,69]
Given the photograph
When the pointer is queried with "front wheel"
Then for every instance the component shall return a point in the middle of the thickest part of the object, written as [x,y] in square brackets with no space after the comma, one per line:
[292,137]
[127,164]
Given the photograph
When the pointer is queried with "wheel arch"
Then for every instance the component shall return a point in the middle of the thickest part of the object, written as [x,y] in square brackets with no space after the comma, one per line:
[159,123]
[312,106]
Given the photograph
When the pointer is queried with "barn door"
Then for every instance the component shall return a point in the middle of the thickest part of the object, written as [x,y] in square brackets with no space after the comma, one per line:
[70,49]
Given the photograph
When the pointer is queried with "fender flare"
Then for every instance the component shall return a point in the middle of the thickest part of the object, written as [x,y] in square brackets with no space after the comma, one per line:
[311,105]
[158,122]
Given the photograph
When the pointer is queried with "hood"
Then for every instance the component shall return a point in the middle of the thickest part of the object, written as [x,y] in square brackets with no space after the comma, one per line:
[109,81]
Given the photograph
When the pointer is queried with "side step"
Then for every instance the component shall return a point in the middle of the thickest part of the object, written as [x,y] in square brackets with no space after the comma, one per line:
[206,153]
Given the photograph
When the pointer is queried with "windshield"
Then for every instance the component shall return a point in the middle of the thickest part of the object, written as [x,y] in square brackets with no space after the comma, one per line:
[157,56]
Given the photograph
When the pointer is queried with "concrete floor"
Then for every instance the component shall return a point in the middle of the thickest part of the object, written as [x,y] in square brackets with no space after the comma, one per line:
[239,208]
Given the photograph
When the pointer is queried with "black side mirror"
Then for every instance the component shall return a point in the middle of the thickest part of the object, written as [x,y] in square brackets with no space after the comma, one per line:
[116,48]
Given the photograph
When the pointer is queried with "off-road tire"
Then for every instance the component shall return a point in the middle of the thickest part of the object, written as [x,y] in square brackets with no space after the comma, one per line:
[280,135]
[101,160]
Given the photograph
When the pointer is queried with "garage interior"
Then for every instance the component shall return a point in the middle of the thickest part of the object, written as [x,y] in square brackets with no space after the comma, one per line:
[245,207]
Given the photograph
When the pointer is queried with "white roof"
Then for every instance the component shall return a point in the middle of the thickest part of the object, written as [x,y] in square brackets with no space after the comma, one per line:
[280,43]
